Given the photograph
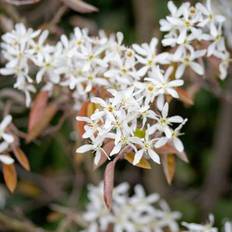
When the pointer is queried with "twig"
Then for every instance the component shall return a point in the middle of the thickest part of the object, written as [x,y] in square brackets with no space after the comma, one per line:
[16,225]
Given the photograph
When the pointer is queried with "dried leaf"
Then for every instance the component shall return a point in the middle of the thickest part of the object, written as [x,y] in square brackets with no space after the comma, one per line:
[10,176]
[42,124]
[108,147]
[80,6]
[109,183]
[185,96]
[142,164]
[37,109]
[169,166]
[22,2]
[22,158]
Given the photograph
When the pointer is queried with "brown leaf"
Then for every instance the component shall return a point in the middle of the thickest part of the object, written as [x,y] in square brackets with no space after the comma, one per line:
[143,163]
[170,149]
[80,6]
[44,121]
[22,158]
[37,109]
[169,166]
[109,183]
[83,112]
[108,147]
[184,96]
[10,176]
[22,2]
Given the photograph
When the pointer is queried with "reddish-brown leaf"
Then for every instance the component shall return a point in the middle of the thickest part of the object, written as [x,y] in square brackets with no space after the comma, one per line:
[37,110]
[83,112]
[80,6]
[143,163]
[170,149]
[21,157]
[44,121]
[169,166]
[108,147]
[109,183]
[10,176]
[184,96]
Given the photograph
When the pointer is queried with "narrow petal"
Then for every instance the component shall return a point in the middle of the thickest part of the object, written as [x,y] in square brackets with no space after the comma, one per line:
[84,148]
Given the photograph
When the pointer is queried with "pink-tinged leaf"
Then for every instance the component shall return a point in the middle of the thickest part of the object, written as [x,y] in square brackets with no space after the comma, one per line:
[170,149]
[43,123]
[109,183]
[169,166]
[108,147]
[80,6]
[22,2]
[184,96]
[37,109]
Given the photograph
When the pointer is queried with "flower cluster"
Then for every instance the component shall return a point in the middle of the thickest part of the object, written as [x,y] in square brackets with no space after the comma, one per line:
[135,213]
[125,118]
[195,32]
[6,140]
[139,80]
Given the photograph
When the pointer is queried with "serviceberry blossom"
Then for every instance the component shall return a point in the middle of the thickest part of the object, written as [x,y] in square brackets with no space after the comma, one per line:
[119,119]
[140,81]
[136,213]
[186,28]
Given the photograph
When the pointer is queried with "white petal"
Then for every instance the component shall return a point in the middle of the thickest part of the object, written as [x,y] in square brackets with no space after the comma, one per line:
[138,157]
[176,119]
[6,159]
[154,156]
[3,146]
[180,71]
[197,68]
[165,110]
[84,148]
[161,142]
[178,144]
[6,121]
[8,138]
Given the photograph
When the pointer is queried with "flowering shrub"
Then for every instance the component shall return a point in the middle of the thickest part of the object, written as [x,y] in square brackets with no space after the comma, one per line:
[121,94]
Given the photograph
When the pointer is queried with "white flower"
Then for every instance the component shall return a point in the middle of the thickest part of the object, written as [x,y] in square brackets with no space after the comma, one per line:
[147,56]
[210,18]
[186,58]
[193,227]
[164,122]
[96,147]
[8,138]
[4,157]
[163,84]
[136,213]
[146,147]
